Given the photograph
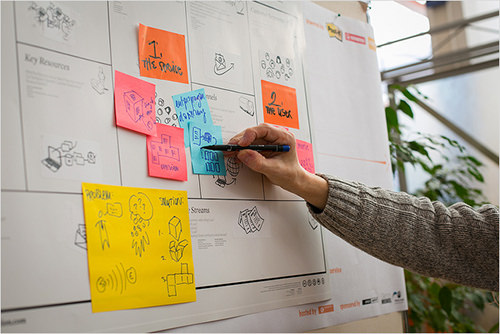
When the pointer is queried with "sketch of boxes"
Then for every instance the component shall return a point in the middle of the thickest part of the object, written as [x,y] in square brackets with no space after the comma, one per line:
[134,105]
[175,227]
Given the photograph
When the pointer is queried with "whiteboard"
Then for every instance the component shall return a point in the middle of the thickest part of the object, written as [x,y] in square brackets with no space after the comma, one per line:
[50,100]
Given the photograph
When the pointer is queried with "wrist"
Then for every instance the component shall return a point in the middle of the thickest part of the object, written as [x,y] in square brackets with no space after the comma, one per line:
[311,187]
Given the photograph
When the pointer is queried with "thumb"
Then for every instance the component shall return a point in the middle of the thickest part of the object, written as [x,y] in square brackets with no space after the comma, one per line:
[253,160]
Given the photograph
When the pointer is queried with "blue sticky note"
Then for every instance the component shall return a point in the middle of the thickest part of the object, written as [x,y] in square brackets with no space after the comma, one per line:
[206,161]
[192,107]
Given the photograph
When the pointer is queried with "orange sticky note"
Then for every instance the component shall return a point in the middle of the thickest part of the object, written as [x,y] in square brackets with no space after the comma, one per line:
[135,104]
[166,153]
[305,155]
[280,104]
[162,55]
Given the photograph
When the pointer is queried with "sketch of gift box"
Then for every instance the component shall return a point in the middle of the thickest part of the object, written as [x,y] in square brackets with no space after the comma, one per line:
[134,105]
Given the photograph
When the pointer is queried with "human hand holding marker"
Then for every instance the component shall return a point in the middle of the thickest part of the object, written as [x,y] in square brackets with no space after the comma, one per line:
[281,168]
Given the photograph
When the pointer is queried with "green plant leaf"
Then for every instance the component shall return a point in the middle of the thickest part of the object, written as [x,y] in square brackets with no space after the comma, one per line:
[494,329]
[408,95]
[406,108]
[445,299]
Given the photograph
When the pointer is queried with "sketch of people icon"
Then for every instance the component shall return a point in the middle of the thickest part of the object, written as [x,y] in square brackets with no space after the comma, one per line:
[91,157]
[278,60]
[272,64]
[263,64]
[288,63]
[98,84]
[141,212]
[267,56]
[164,113]
[220,66]
[278,74]
[247,105]
[103,231]
[282,68]
[117,279]
[270,73]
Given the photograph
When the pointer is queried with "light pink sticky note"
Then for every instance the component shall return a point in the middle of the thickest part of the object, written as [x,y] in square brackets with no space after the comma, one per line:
[166,153]
[135,104]
[305,154]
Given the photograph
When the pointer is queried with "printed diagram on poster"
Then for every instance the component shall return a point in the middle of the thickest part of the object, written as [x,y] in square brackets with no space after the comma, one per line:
[66,154]
[99,82]
[165,113]
[279,104]
[81,237]
[138,245]
[250,220]
[55,22]
[206,161]
[220,66]
[278,68]
[162,55]
[247,105]
[166,153]
[233,168]
[135,104]
[192,107]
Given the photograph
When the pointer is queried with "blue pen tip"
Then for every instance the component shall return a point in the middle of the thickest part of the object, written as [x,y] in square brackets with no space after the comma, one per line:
[286,148]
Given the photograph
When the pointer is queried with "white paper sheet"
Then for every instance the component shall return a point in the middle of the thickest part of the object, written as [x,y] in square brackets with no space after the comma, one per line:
[251,254]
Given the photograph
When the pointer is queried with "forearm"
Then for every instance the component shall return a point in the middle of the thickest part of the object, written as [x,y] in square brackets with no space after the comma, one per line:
[456,243]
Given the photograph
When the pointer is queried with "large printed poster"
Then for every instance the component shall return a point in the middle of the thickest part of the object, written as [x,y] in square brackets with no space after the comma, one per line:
[94,80]
[254,246]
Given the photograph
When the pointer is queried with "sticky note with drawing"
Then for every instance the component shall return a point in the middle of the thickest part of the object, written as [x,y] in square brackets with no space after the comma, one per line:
[138,247]
[206,161]
[135,104]
[305,155]
[166,153]
[162,55]
[279,104]
[192,106]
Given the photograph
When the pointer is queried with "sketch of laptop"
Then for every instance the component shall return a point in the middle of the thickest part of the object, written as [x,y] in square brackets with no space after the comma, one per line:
[54,160]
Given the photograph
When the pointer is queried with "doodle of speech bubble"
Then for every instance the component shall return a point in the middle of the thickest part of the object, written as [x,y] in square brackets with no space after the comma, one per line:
[114,209]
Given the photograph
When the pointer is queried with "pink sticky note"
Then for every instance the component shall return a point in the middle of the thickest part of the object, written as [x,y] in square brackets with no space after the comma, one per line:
[166,154]
[305,154]
[135,104]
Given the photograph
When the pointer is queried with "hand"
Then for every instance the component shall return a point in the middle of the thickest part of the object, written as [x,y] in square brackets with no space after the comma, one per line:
[281,168]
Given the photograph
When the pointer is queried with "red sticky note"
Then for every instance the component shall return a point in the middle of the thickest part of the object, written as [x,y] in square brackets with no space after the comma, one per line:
[305,154]
[166,154]
[135,104]
[162,55]
[280,105]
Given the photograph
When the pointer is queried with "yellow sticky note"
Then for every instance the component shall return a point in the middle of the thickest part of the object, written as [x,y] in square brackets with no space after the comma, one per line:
[138,246]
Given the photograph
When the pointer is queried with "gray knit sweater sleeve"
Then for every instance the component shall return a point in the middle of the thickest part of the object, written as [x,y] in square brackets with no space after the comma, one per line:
[456,243]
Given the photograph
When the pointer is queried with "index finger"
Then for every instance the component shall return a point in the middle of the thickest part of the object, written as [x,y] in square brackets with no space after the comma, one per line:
[265,134]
